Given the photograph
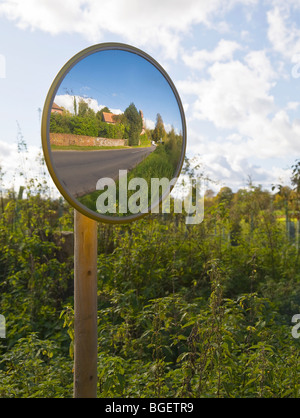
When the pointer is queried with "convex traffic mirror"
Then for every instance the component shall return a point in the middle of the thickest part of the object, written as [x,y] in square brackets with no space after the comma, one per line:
[113,133]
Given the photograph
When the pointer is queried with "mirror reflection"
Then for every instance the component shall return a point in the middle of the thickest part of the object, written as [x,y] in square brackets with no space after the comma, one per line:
[115,125]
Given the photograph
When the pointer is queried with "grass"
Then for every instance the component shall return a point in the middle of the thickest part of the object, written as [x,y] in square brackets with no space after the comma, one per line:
[157,165]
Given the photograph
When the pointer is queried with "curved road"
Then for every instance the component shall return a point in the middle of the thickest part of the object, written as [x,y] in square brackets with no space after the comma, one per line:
[79,171]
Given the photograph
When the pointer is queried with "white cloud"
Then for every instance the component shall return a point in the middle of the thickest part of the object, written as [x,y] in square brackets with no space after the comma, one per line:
[6,150]
[223,163]
[236,106]
[292,105]
[283,34]
[67,101]
[18,168]
[233,92]
[223,52]
[151,24]
[150,124]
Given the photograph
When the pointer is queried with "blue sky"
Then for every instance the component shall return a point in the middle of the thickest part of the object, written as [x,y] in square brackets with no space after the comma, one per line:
[235,64]
[116,78]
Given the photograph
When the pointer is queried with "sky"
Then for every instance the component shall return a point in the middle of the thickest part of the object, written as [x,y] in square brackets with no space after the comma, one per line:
[235,64]
[117,78]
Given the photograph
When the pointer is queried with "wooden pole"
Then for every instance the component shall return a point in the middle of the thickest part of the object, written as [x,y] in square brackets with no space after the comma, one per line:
[85,306]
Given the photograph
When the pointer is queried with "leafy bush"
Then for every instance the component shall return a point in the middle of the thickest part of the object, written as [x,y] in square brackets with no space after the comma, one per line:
[35,368]
[183,311]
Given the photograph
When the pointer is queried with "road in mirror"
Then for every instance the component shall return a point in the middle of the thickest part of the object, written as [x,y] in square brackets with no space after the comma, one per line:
[115,124]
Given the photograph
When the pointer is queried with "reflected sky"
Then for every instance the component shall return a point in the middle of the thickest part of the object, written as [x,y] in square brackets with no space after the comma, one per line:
[116,78]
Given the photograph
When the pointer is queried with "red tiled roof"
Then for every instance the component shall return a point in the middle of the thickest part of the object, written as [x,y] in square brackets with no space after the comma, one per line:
[55,107]
[108,117]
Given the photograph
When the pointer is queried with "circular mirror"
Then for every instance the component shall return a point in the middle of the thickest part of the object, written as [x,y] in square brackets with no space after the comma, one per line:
[113,133]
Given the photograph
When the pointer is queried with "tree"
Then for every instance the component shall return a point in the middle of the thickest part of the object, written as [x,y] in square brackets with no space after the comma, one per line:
[75,106]
[296,176]
[282,197]
[60,123]
[295,195]
[135,123]
[82,108]
[100,112]
[159,132]
[225,195]
[84,126]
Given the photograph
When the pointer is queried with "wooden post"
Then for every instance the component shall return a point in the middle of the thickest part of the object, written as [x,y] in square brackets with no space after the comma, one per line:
[85,306]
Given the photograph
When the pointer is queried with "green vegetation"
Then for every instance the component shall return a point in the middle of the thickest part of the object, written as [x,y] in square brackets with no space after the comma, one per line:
[85,121]
[161,163]
[197,311]
[159,133]
[134,124]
